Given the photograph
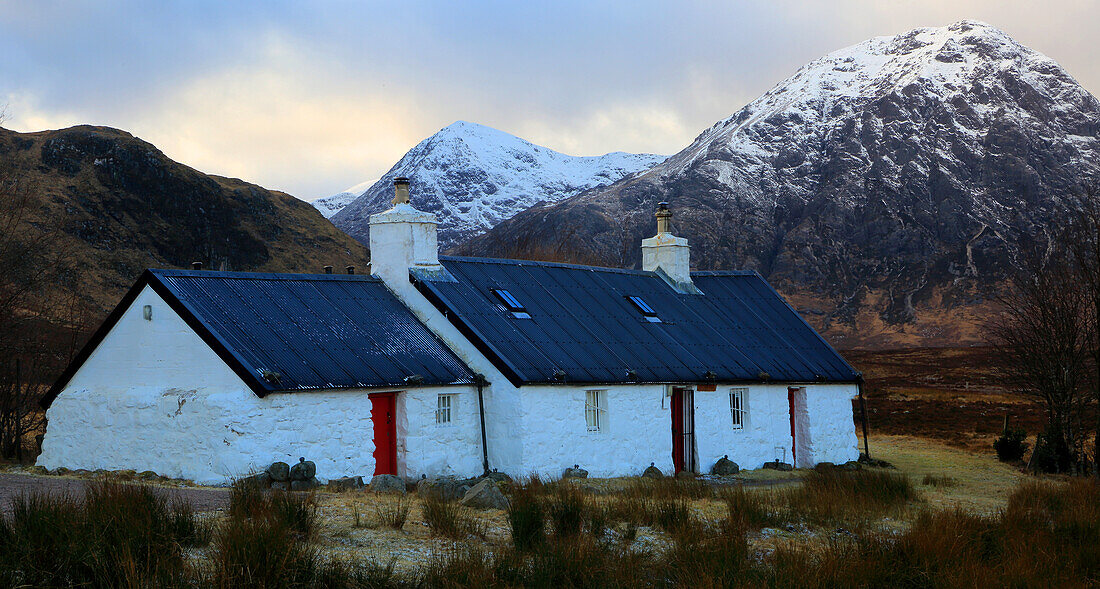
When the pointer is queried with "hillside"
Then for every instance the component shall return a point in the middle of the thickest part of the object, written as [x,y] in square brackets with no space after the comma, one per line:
[472,177]
[121,206]
[882,187]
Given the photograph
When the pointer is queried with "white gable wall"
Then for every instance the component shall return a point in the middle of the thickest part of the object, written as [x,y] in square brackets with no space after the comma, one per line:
[154,396]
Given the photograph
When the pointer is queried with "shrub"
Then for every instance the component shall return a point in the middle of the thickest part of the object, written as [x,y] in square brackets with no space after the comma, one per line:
[448,518]
[117,535]
[527,518]
[945,481]
[1051,453]
[747,510]
[1011,446]
[392,513]
[567,509]
[829,495]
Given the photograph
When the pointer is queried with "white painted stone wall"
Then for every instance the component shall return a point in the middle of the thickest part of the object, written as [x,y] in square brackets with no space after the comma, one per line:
[636,433]
[832,428]
[154,397]
[766,435]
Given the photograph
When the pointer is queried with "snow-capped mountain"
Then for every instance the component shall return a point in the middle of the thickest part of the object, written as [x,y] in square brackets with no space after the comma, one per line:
[330,205]
[472,177]
[882,187]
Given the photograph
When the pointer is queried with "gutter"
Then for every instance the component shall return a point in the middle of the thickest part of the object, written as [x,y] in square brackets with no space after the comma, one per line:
[479,380]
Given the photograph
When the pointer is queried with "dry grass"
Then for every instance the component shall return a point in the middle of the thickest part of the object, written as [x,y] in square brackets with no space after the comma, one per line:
[983,482]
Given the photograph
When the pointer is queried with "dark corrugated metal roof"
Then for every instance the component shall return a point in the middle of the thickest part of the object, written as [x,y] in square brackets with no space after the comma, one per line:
[583,324]
[314,331]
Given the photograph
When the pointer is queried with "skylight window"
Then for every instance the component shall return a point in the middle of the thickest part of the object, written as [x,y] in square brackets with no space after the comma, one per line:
[512,304]
[647,311]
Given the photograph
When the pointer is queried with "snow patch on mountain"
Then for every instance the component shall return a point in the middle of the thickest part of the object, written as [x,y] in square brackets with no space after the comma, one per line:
[473,177]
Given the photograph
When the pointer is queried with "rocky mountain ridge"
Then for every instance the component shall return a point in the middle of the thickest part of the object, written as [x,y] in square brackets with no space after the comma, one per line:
[472,177]
[881,188]
[119,205]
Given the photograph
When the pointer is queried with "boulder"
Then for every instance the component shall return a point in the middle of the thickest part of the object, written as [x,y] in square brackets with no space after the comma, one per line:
[576,472]
[777,465]
[303,471]
[485,495]
[867,460]
[346,484]
[652,472]
[307,485]
[147,475]
[497,477]
[850,465]
[685,474]
[725,467]
[447,488]
[279,471]
[824,466]
[261,480]
[387,483]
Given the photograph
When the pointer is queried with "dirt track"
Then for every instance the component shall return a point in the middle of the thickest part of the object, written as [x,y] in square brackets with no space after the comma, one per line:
[12,485]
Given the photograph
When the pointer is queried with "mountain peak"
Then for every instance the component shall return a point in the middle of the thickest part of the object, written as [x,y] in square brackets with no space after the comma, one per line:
[883,186]
[472,177]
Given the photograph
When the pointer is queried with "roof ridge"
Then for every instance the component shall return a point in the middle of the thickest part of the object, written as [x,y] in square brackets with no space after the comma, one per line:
[516,262]
[245,275]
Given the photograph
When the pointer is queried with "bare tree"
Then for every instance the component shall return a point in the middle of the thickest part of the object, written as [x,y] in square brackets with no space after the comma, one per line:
[39,312]
[1082,241]
[1045,334]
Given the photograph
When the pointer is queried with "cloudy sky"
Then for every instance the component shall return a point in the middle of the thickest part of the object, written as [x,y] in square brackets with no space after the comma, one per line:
[313,97]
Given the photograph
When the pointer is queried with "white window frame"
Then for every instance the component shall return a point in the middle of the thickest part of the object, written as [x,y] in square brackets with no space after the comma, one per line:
[739,409]
[445,408]
[595,410]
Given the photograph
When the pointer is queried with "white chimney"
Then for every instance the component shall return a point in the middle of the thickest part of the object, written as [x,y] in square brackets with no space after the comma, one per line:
[667,254]
[402,238]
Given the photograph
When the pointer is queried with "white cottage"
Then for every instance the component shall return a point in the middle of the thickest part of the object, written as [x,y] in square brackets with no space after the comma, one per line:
[452,366]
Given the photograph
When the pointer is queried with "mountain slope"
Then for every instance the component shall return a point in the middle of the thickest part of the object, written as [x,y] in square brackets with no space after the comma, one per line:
[472,177]
[881,187]
[121,205]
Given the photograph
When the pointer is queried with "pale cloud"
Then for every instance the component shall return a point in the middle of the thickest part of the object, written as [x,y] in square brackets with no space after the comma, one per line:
[313,96]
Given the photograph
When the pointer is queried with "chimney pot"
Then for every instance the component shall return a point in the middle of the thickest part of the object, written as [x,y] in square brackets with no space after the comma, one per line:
[400,190]
[328,269]
[196,265]
[350,269]
[668,253]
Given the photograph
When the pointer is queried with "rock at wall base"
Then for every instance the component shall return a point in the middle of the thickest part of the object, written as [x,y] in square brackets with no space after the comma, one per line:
[777,465]
[279,471]
[261,480]
[497,477]
[446,488]
[652,472]
[850,465]
[868,461]
[485,495]
[725,467]
[303,485]
[685,474]
[575,472]
[346,484]
[303,471]
[824,466]
[387,483]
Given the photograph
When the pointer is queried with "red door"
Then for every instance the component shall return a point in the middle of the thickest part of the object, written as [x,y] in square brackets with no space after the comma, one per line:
[678,429]
[794,440]
[683,429]
[385,433]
